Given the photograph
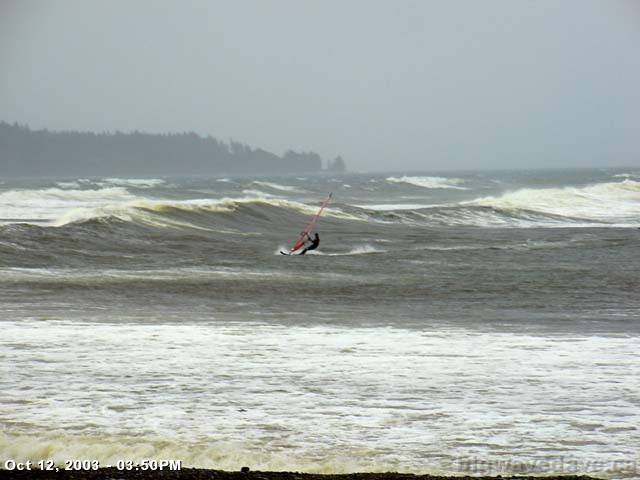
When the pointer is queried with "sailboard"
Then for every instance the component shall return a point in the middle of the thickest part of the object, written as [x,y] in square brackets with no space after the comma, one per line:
[312,223]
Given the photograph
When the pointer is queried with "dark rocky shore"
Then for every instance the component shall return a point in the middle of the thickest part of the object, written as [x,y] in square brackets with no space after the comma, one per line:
[202,474]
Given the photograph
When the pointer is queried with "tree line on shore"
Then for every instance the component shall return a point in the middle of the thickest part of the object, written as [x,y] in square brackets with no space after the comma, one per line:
[27,152]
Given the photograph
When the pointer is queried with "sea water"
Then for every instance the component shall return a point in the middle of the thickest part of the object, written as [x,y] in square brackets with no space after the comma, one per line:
[467,322]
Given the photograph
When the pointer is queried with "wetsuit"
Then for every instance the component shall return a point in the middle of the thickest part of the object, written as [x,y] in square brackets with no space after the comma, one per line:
[315,241]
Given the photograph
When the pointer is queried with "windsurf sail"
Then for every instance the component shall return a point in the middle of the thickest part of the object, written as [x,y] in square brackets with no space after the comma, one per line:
[312,223]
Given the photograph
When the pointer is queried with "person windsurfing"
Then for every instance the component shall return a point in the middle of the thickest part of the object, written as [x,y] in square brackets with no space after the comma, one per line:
[304,237]
[315,241]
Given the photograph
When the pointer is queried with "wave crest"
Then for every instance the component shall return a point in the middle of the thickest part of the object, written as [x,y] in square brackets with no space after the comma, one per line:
[180,213]
[49,203]
[276,186]
[603,202]
[430,182]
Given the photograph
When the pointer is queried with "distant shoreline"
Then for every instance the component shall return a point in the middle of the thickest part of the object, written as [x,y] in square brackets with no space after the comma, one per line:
[39,153]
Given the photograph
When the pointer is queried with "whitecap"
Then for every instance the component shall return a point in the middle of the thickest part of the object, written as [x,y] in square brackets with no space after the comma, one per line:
[602,202]
[385,207]
[132,182]
[50,203]
[276,186]
[430,182]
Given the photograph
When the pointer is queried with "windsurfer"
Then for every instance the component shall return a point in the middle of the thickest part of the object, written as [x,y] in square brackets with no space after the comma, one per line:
[304,236]
[315,241]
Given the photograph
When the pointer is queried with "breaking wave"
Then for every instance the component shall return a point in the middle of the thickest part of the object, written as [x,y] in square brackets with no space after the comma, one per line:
[107,182]
[133,182]
[604,202]
[259,194]
[205,214]
[60,206]
[49,203]
[276,186]
[430,182]
[74,184]
[388,207]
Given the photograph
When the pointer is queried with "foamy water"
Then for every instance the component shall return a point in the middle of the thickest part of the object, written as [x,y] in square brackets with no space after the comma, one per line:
[314,398]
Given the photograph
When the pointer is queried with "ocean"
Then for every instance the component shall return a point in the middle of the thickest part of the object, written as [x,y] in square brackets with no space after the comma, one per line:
[450,322]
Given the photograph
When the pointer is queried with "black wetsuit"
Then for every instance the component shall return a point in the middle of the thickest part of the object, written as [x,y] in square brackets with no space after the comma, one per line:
[315,241]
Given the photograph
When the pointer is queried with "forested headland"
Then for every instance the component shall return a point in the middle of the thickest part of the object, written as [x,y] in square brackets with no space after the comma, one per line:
[27,152]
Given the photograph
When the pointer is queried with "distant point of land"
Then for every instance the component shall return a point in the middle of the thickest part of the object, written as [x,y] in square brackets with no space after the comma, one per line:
[25,152]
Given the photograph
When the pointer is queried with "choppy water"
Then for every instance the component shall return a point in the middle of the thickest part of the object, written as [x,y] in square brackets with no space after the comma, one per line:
[444,319]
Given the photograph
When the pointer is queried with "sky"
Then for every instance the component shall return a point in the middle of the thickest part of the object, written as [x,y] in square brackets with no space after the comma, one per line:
[389,85]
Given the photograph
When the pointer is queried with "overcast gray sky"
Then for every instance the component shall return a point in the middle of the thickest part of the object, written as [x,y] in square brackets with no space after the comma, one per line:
[397,84]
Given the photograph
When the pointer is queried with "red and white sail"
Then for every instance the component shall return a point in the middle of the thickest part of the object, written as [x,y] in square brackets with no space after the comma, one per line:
[312,223]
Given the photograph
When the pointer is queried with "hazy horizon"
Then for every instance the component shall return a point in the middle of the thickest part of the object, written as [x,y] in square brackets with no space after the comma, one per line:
[402,86]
